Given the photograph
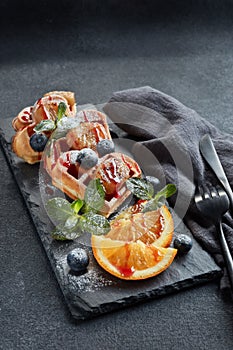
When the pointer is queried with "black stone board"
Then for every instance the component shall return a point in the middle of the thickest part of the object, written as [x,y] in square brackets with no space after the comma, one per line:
[96,292]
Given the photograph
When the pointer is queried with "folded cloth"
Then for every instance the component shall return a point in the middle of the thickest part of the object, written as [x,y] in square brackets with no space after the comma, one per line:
[168,133]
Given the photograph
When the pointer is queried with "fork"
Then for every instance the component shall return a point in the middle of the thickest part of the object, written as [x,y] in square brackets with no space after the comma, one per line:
[214,203]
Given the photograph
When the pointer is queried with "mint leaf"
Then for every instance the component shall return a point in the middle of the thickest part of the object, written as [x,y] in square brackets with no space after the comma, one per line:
[69,230]
[160,198]
[153,204]
[166,192]
[45,125]
[48,124]
[94,196]
[59,209]
[61,110]
[77,205]
[140,188]
[95,224]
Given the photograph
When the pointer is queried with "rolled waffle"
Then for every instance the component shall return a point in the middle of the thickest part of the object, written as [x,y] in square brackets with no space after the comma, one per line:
[112,170]
[45,108]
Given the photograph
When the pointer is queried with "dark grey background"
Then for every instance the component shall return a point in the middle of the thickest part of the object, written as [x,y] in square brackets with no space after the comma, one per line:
[184,48]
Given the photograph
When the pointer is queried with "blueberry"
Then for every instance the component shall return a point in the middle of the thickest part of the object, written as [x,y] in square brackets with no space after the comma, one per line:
[78,259]
[38,142]
[104,147]
[183,243]
[87,158]
[154,181]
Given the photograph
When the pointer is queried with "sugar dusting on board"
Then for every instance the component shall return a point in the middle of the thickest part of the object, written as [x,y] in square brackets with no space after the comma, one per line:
[89,281]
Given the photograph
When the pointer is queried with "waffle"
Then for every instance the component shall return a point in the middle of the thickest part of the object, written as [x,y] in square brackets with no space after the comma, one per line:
[90,129]
[92,116]
[93,127]
[23,119]
[112,170]
[21,145]
[45,108]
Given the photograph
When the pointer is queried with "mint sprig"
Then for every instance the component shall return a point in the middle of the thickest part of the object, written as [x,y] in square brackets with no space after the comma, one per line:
[45,125]
[140,188]
[77,205]
[160,198]
[61,110]
[49,124]
[94,196]
[59,209]
[69,230]
[95,224]
[143,189]
[80,216]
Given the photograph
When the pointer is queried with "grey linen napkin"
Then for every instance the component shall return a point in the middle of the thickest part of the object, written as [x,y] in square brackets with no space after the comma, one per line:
[170,132]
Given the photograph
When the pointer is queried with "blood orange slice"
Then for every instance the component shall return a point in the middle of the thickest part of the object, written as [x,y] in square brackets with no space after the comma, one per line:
[131,260]
[150,227]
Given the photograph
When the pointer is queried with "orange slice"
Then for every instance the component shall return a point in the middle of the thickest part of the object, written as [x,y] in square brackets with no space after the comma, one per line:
[131,260]
[151,227]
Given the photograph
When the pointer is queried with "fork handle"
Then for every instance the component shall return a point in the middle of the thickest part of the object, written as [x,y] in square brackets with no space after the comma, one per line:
[226,253]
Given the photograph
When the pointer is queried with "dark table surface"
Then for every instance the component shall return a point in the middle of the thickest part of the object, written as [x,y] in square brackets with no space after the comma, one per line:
[182,48]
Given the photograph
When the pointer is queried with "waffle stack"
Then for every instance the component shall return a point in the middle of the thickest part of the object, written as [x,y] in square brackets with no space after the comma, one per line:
[87,129]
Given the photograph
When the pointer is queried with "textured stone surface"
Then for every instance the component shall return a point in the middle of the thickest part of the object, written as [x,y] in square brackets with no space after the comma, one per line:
[184,50]
[96,291]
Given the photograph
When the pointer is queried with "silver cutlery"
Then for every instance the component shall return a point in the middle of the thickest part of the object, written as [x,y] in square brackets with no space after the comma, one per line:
[209,153]
[214,203]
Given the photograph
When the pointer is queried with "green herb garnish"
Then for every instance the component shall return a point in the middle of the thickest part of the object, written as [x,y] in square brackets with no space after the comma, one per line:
[73,219]
[94,196]
[143,189]
[77,205]
[49,124]
[61,110]
[95,224]
[140,188]
[59,209]
[69,230]
[45,125]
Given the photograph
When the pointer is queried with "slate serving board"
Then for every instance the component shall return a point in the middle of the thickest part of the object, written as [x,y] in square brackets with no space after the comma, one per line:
[95,291]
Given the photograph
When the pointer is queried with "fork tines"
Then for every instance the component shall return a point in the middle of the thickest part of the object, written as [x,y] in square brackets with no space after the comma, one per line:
[206,192]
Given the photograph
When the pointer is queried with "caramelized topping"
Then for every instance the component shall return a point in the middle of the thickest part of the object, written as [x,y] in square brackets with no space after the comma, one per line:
[113,172]
[86,135]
